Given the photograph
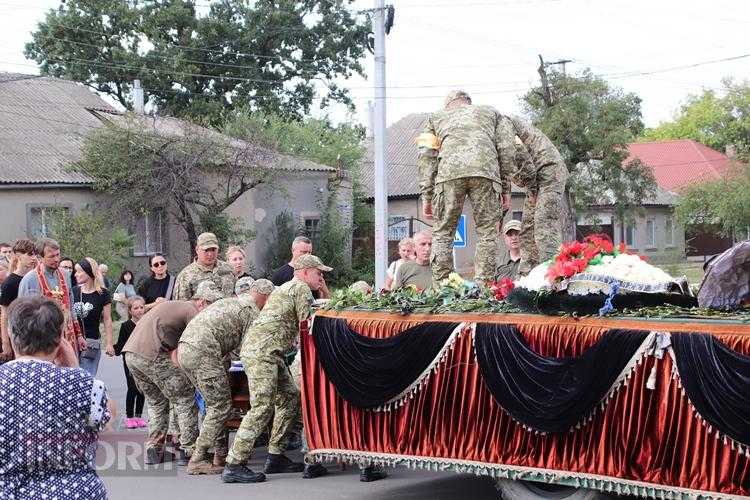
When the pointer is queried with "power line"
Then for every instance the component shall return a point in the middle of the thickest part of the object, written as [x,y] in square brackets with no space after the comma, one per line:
[187,47]
[297,73]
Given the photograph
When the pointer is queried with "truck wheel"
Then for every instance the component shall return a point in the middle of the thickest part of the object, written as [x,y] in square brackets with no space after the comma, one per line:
[530,490]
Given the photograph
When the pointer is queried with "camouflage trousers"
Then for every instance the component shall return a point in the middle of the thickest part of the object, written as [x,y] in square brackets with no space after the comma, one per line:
[542,221]
[207,371]
[273,394]
[447,205]
[162,383]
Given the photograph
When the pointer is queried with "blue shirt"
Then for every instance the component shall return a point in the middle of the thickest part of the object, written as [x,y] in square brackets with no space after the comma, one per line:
[30,287]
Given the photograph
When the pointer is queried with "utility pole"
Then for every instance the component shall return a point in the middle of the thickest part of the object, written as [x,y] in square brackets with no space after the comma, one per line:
[381,181]
[138,105]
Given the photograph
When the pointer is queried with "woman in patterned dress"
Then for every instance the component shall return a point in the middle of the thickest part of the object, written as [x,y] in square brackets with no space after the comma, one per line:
[52,411]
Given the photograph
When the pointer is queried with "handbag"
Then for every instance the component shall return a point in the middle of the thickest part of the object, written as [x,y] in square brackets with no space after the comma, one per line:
[92,346]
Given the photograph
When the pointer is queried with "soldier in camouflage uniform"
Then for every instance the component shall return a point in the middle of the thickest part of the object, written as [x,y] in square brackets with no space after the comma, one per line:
[471,155]
[206,267]
[204,346]
[543,173]
[149,354]
[272,390]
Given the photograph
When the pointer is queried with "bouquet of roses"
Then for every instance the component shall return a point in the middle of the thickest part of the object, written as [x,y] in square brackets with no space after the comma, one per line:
[576,256]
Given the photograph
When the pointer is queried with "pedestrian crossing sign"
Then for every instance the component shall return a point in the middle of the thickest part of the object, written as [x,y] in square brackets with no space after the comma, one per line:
[459,239]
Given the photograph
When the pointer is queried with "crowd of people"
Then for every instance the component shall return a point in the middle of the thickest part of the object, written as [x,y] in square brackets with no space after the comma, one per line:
[178,334]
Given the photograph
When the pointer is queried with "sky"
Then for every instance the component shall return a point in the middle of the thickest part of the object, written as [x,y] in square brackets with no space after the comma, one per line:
[662,50]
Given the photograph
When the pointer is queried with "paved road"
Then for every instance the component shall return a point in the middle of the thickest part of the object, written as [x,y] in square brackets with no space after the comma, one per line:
[120,461]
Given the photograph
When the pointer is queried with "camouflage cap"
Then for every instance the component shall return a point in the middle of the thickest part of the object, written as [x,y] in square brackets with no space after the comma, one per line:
[262,286]
[512,225]
[454,95]
[206,241]
[208,291]
[360,286]
[309,261]
[243,285]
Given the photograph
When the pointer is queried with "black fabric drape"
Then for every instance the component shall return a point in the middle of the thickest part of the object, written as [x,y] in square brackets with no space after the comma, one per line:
[717,382]
[368,372]
[550,394]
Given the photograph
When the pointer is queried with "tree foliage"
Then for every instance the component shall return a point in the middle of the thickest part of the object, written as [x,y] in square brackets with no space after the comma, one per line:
[190,172]
[716,119]
[592,123]
[724,202]
[198,60]
[313,139]
[91,234]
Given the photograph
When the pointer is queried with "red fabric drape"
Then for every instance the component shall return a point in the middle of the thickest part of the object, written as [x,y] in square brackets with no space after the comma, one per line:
[651,436]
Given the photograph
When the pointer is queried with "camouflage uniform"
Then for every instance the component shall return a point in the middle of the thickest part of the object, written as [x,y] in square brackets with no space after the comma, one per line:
[211,335]
[272,390]
[544,175]
[474,160]
[161,382]
[189,278]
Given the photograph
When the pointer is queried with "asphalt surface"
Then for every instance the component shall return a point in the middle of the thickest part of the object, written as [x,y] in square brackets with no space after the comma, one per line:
[120,464]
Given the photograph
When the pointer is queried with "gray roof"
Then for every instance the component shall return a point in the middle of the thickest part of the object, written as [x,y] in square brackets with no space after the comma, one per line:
[42,125]
[401,158]
[169,126]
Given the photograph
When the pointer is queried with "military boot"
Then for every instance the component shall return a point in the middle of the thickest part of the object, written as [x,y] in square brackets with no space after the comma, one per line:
[238,473]
[313,471]
[153,456]
[372,473]
[278,464]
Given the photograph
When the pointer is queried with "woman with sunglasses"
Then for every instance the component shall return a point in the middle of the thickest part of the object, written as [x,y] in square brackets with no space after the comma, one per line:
[160,285]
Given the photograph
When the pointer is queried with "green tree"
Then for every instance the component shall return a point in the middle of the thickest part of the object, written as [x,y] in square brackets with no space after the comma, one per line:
[197,60]
[723,202]
[592,123]
[716,119]
[190,172]
[89,234]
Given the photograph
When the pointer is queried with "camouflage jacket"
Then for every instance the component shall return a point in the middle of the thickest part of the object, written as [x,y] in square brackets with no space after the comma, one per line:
[276,330]
[475,141]
[540,153]
[219,328]
[193,274]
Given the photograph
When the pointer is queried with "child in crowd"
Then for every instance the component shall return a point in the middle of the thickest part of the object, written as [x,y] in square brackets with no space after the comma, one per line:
[134,399]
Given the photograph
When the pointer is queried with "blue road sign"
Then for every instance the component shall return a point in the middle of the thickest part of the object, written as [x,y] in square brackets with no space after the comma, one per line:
[459,239]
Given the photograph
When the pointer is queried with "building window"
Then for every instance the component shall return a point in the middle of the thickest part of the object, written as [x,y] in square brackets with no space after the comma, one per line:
[517,215]
[630,235]
[39,219]
[398,227]
[669,232]
[312,227]
[650,233]
[149,234]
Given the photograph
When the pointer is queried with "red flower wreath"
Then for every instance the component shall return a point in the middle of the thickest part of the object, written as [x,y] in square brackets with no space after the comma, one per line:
[575,256]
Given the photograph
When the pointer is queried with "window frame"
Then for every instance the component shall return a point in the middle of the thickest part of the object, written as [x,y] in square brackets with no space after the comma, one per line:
[651,235]
[630,242]
[162,233]
[669,231]
[32,206]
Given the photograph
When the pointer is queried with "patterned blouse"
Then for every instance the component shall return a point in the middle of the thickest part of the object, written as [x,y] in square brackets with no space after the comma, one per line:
[50,418]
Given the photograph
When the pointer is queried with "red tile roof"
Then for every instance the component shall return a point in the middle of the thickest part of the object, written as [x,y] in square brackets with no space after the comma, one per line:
[679,163]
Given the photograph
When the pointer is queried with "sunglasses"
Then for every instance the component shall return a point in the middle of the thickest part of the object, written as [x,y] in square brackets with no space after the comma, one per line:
[159,264]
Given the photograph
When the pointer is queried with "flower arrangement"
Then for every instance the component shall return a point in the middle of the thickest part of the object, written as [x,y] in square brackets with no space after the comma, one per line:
[501,289]
[576,256]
